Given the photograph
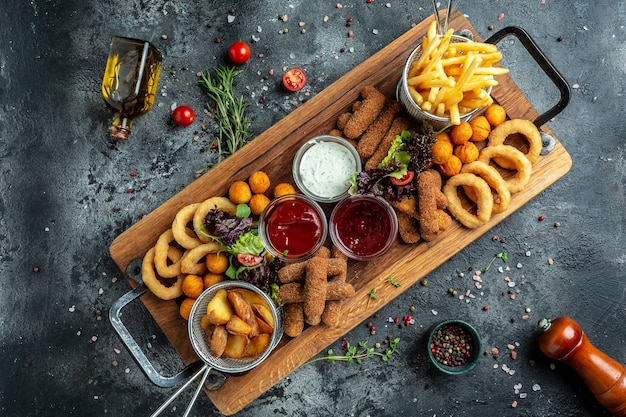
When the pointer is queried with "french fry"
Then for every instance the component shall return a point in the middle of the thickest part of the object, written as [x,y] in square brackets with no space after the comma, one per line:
[450,78]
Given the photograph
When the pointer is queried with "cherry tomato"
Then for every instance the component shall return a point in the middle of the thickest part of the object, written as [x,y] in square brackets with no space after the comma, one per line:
[248,260]
[183,115]
[294,79]
[239,52]
[406,179]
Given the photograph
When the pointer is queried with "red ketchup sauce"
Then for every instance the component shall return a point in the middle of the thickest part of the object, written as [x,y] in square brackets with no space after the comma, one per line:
[294,228]
[363,226]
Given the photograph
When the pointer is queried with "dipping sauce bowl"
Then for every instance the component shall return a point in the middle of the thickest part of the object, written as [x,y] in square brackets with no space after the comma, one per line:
[323,167]
[293,227]
[363,227]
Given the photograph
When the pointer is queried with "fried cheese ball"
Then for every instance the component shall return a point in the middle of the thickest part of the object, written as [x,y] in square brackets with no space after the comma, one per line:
[210,279]
[461,133]
[468,152]
[185,307]
[193,285]
[442,149]
[495,114]
[480,129]
[257,203]
[217,262]
[259,182]
[239,192]
[451,167]
[282,189]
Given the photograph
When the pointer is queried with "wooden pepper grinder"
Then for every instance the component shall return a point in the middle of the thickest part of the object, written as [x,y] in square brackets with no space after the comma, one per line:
[563,339]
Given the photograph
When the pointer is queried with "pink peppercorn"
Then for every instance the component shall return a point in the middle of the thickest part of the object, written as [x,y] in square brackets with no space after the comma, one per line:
[36,269]
[541,218]
[133,174]
[485,308]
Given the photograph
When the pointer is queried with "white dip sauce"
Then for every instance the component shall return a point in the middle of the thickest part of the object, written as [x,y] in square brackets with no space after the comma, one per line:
[326,169]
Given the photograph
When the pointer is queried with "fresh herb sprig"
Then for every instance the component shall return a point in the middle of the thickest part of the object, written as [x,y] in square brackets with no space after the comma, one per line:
[372,296]
[228,109]
[356,353]
[499,255]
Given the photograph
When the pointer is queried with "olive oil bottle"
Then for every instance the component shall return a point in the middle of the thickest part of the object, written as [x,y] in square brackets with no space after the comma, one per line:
[130,81]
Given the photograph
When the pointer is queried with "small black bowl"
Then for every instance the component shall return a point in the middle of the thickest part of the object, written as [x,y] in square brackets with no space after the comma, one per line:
[459,335]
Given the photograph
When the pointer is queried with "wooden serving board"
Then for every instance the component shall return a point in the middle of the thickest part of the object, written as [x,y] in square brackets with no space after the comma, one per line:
[272,152]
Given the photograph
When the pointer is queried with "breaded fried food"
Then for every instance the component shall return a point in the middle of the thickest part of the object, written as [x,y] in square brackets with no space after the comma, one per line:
[369,141]
[296,271]
[443,220]
[399,124]
[293,319]
[408,228]
[314,290]
[428,186]
[373,102]
[294,292]
[408,206]
[342,120]
[332,312]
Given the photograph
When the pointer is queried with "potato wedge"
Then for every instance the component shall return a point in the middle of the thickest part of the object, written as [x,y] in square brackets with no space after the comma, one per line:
[219,309]
[244,310]
[251,296]
[219,339]
[263,326]
[236,346]
[263,311]
[237,326]
[261,342]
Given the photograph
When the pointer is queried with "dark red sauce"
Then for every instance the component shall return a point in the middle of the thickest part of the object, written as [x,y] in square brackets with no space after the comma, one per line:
[363,226]
[294,228]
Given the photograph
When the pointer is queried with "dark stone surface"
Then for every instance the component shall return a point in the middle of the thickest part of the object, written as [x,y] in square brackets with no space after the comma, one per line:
[63,199]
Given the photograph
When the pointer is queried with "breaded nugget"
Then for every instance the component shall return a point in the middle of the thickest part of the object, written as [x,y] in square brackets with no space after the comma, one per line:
[373,102]
[369,141]
[293,319]
[342,120]
[408,206]
[407,228]
[296,271]
[427,201]
[399,124]
[443,220]
[315,284]
[294,292]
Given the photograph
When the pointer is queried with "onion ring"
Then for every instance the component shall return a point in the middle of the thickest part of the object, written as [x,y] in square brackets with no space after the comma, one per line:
[219,203]
[516,158]
[524,127]
[149,278]
[162,248]
[190,262]
[179,227]
[484,201]
[494,179]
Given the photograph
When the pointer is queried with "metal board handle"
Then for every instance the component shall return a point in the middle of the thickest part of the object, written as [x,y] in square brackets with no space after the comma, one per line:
[139,356]
[548,68]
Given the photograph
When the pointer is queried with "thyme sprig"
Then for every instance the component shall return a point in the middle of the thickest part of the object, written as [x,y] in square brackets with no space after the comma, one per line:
[499,255]
[228,109]
[356,353]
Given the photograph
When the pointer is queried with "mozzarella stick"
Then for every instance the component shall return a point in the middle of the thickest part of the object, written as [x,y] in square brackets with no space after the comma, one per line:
[293,319]
[314,290]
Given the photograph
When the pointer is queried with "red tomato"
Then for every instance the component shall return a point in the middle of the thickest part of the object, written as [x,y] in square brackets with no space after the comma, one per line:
[406,179]
[239,52]
[183,115]
[294,79]
[248,260]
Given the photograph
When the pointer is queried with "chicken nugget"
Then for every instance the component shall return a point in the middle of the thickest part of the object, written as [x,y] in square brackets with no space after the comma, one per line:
[407,228]
[397,126]
[427,201]
[342,120]
[369,141]
[373,102]
[314,290]
[293,319]
[408,206]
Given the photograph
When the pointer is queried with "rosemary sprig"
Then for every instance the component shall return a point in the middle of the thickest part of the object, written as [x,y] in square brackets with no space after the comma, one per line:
[359,352]
[228,110]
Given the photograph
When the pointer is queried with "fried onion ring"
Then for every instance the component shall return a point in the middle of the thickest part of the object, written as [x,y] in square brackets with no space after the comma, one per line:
[502,199]
[191,260]
[524,127]
[160,256]
[219,203]
[179,227]
[149,278]
[484,202]
[516,158]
